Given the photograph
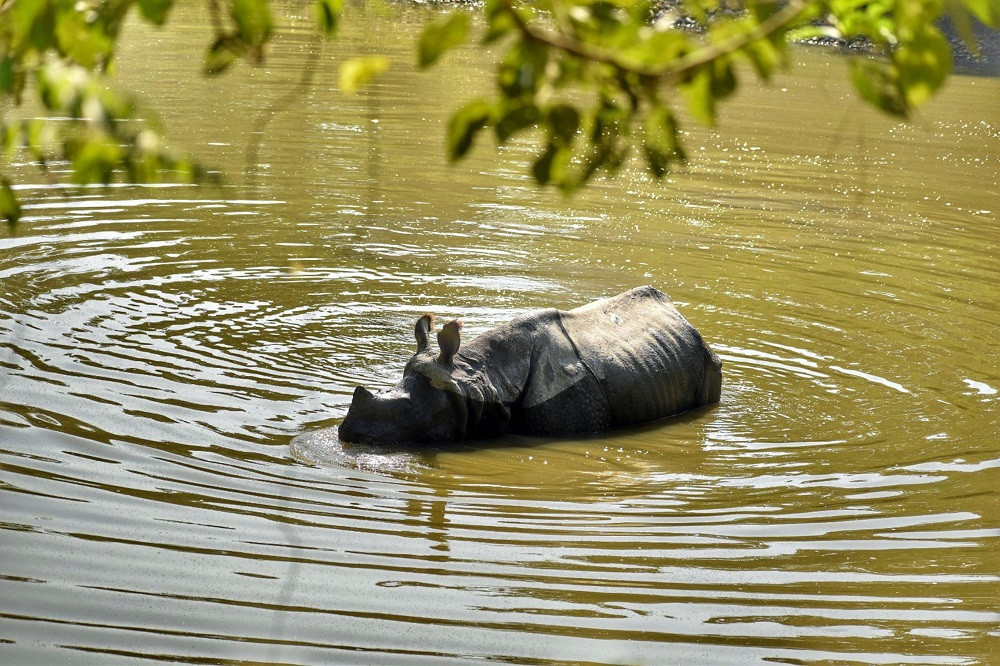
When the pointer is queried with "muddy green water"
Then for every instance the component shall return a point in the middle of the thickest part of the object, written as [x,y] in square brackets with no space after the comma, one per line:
[172,358]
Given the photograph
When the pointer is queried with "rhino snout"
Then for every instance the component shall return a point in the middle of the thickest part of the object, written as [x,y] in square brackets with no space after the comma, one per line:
[382,419]
[357,424]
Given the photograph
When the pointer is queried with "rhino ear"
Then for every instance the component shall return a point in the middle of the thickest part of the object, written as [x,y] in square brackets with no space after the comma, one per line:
[448,341]
[423,331]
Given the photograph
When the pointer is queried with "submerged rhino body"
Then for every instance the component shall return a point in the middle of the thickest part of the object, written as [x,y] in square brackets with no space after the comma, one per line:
[616,362]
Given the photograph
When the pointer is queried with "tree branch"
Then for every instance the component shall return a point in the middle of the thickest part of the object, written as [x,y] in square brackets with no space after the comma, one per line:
[215,16]
[673,71]
[763,30]
[256,137]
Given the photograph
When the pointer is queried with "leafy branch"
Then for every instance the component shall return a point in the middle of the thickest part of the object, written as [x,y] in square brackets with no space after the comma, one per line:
[778,22]
[594,81]
[590,81]
[587,82]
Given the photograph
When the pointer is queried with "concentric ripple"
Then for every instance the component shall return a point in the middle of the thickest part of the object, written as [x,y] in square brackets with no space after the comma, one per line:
[174,362]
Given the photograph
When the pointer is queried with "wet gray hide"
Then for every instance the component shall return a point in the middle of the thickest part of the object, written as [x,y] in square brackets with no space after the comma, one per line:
[619,361]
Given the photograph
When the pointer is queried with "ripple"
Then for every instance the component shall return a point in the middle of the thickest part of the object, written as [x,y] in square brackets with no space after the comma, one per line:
[174,363]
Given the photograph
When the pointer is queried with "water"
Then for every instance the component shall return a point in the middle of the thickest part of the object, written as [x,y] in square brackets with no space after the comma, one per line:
[174,358]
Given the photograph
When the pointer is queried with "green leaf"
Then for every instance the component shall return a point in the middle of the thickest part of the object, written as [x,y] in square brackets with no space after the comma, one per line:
[84,42]
[516,116]
[564,121]
[961,18]
[10,207]
[661,143]
[698,92]
[987,11]
[219,57]
[842,7]
[923,64]
[155,11]
[10,138]
[551,164]
[604,23]
[253,21]
[441,35]
[658,163]
[723,78]
[765,56]
[7,75]
[607,122]
[761,11]
[27,24]
[877,84]
[707,85]
[60,86]
[358,72]
[499,22]
[523,68]
[660,48]
[608,156]
[465,124]
[36,137]
[328,15]
[12,79]
[94,161]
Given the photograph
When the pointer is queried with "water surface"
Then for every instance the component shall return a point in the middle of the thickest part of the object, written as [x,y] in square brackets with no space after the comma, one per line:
[172,360]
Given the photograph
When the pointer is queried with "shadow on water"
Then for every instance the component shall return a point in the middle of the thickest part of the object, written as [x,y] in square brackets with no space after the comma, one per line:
[323,447]
[608,466]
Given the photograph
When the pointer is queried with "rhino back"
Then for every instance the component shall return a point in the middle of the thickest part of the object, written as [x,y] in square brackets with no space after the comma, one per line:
[619,361]
[533,367]
[649,361]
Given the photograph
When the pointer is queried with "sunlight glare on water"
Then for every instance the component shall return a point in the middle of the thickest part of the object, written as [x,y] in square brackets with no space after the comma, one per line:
[175,360]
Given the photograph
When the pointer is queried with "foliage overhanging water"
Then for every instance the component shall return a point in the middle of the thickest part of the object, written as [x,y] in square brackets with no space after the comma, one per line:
[162,347]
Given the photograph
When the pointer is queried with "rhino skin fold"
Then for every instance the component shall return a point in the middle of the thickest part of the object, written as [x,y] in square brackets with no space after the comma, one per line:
[619,361]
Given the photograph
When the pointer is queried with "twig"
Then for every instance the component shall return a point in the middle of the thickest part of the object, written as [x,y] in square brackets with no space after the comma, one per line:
[674,71]
[215,15]
[277,106]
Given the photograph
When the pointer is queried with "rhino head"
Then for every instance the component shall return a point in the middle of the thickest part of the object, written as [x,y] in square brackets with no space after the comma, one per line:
[426,406]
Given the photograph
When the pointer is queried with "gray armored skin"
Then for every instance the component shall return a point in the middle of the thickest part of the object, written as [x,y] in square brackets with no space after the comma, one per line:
[616,362]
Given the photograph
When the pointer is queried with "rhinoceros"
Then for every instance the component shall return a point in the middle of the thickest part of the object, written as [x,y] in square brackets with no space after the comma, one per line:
[616,362]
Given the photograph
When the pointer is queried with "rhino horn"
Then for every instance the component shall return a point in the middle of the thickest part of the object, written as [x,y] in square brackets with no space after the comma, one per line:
[362,396]
[423,331]
[449,341]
